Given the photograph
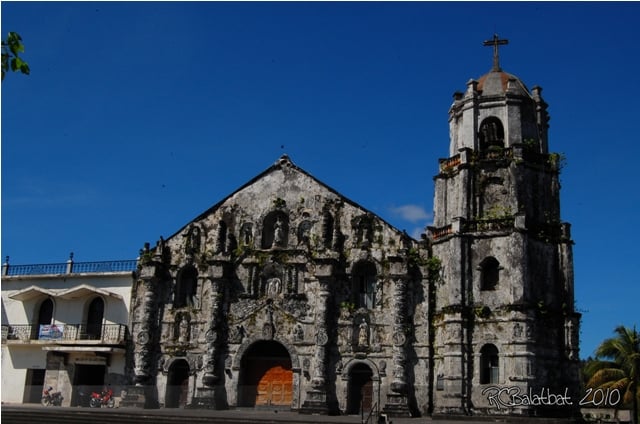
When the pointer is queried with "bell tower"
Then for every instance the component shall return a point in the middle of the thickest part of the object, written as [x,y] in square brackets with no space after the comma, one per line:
[503,312]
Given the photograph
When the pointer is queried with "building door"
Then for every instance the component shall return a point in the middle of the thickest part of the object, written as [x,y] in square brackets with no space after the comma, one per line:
[34,385]
[177,393]
[266,377]
[360,393]
[87,379]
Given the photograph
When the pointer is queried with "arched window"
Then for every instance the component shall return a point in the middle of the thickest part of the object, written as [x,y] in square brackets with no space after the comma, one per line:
[186,288]
[489,362]
[363,279]
[95,314]
[45,315]
[489,273]
[491,134]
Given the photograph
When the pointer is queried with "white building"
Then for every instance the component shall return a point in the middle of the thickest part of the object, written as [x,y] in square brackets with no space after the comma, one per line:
[65,326]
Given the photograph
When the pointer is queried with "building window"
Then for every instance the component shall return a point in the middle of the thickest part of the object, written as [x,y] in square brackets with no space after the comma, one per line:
[364,284]
[186,288]
[489,361]
[45,315]
[491,134]
[489,273]
[95,314]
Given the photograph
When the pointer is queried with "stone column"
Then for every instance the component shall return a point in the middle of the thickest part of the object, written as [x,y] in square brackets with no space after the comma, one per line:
[145,337]
[205,397]
[316,401]
[397,399]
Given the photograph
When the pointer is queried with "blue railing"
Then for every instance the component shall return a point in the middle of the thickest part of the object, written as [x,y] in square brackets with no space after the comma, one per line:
[70,268]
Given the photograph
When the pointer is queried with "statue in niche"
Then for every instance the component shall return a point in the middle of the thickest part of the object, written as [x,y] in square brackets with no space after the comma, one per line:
[246,233]
[378,298]
[298,333]
[363,333]
[278,233]
[304,232]
[273,287]
[236,334]
[517,330]
[383,367]
[193,240]
[184,330]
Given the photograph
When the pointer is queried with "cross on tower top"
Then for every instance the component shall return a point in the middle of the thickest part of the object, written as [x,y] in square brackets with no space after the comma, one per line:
[495,42]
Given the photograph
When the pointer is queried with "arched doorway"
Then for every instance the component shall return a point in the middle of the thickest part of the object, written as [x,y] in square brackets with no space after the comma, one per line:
[177,385]
[360,393]
[95,313]
[45,315]
[266,376]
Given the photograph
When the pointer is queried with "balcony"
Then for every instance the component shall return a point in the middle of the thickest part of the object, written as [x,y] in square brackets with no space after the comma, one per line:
[69,267]
[70,334]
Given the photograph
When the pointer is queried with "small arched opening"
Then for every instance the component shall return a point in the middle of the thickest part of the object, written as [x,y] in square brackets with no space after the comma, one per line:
[491,134]
[177,393]
[489,365]
[489,273]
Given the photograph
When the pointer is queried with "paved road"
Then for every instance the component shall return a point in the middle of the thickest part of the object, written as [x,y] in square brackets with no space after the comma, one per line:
[36,414]
[20,414]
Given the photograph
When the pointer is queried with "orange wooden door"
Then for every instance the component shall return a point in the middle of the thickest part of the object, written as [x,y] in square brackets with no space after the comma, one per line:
[275,387]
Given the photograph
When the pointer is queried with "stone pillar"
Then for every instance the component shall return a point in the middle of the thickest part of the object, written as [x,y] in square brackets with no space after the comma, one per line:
[145,334]
[205,396]
[316,401]
[397,399]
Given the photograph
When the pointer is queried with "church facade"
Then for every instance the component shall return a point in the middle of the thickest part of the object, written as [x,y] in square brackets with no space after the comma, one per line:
[287,294]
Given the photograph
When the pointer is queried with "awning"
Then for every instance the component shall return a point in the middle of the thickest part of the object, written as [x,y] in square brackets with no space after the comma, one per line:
[31,292]
[83,291]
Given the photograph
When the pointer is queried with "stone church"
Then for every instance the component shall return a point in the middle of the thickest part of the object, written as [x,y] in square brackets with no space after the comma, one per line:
[288,294]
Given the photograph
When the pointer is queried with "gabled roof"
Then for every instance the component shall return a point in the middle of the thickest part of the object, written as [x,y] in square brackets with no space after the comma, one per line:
[283,162]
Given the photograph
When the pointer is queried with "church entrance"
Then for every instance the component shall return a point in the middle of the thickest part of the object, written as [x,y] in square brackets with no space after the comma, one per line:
[266,377]
[177,385]
[360,393]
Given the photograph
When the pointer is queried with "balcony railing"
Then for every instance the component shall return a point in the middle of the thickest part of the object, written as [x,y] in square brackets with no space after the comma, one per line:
[69,267]
[65,333]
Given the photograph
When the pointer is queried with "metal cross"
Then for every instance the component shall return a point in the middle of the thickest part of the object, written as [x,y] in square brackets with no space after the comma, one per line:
[495,42]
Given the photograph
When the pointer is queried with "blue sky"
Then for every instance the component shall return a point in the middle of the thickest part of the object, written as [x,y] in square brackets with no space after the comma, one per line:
[139,116]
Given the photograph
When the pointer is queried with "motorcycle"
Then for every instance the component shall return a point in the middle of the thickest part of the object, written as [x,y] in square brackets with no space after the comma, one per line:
[51,398]
[105,398]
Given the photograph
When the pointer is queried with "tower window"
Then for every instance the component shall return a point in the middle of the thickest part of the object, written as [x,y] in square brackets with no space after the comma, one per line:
[364,284]
[489,370]
[491,134]
[489,273]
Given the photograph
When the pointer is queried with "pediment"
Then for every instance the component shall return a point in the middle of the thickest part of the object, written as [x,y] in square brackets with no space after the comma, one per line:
[84,291]
[32,292]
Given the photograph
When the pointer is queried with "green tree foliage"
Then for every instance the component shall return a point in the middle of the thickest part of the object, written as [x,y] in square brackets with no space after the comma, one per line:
[617,366]
[11,60]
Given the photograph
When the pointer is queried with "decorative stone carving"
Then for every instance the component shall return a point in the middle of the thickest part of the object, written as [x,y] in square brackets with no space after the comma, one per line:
[363,334]
[298,333]
[322,338]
